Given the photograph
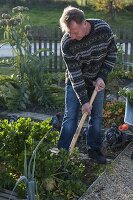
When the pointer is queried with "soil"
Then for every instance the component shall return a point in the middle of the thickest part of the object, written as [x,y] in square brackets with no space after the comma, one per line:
[93,170]
[116,181]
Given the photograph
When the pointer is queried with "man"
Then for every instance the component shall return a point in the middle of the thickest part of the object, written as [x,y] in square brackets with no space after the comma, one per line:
[89,51]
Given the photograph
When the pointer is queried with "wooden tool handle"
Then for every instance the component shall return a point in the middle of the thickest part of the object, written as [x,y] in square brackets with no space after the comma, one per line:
[81,123]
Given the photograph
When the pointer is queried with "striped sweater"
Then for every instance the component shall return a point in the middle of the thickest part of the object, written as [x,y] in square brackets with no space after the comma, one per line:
[90,58]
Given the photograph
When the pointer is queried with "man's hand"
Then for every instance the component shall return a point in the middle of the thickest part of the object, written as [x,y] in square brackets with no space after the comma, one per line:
[99,84]
[86,108]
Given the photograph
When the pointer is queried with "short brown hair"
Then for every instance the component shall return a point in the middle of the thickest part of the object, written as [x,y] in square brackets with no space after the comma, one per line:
[71,14]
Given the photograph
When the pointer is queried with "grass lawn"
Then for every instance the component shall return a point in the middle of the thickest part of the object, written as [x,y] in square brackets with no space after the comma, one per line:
[50,14]
[45,15]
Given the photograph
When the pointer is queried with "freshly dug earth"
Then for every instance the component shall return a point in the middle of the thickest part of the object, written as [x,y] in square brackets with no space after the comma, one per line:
[92,170]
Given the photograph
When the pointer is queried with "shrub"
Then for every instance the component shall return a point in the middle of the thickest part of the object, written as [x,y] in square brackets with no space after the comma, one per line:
[58,176]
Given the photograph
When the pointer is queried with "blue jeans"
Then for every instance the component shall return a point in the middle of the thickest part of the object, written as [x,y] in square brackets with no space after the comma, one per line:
[128,112]
[70,120]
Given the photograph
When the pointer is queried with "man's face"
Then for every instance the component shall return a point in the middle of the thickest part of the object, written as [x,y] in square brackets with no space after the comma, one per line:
[77,31]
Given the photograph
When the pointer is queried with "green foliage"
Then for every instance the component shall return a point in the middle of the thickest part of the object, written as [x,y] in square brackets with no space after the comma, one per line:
[119,75]
[123,74]
[65,180]
[30,70]
[11,95]
[117,80]
[6,61]
[105,4]
[16,33]
[127,93]
[44,88]
[28,178]
[58,176]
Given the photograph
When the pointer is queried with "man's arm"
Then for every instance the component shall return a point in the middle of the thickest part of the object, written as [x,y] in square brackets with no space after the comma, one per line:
[74,72]
[110,59]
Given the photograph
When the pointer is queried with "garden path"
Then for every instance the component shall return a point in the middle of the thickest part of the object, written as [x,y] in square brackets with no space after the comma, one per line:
[116,183]
[34,116]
